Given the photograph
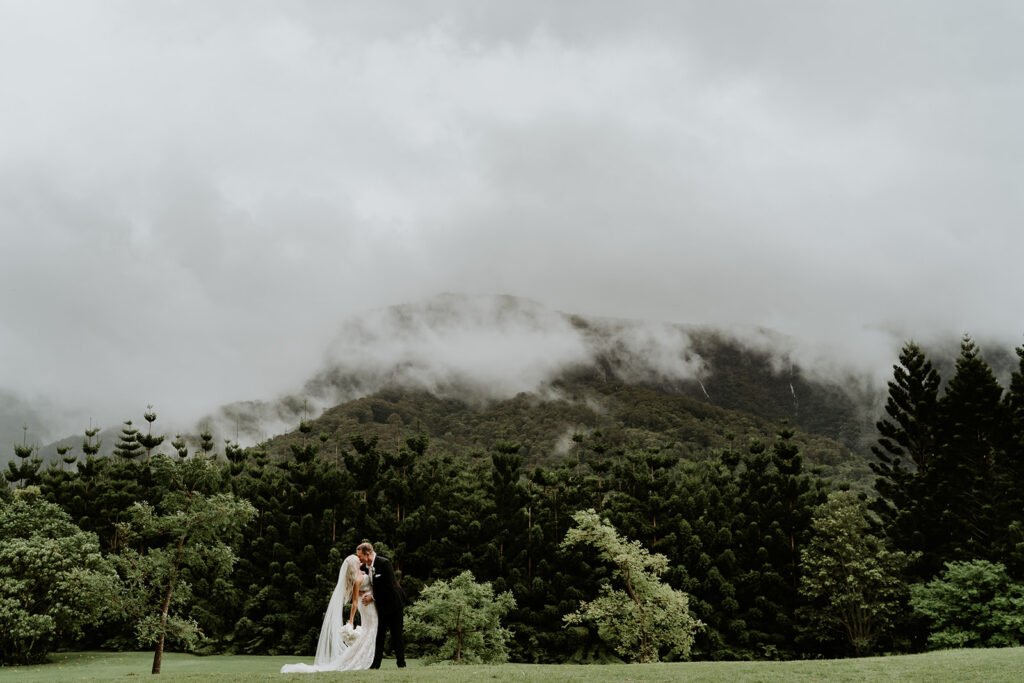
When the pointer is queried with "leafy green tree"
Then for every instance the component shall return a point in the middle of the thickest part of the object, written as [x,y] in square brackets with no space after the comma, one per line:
[643,616]
[186,530]
[460,621]
[971,604]
[852,582]
[53,579]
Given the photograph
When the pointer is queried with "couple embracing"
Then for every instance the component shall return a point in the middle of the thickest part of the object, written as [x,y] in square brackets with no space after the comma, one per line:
[368,581]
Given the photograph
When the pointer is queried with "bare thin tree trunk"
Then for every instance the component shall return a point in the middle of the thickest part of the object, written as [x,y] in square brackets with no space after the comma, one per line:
[158,656]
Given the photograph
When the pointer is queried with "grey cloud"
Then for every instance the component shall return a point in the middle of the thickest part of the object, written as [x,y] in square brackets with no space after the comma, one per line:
[192,201]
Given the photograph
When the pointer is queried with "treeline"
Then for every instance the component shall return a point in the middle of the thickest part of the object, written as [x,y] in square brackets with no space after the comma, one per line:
[780,563]
[950,462]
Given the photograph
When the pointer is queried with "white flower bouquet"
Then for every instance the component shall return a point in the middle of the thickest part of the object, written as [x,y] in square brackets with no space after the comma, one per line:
[350,634]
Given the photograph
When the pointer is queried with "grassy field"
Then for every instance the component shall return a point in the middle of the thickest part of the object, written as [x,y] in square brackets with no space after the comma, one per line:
[950,665]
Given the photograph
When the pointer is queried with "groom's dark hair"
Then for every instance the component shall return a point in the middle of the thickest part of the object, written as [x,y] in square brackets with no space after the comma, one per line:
[365,548]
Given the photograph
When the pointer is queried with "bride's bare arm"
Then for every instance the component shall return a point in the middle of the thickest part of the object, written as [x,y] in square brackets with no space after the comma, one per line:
[355,599]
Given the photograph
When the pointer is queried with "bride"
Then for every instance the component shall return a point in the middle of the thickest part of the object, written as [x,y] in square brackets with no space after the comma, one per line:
[342,647]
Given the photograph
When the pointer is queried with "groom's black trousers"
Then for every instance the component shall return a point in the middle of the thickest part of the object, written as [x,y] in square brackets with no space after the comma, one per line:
[389,622]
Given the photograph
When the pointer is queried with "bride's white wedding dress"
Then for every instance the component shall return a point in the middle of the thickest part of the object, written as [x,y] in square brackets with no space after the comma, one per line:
[332,654]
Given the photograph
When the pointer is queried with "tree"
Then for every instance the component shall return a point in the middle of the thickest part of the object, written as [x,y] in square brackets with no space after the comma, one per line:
[460,621]
[180,446]
[964,481]
[128,446]
[69,460]
[206,444]
[972,604]
[851,581]
[906,448]
[147,440]
[1012,474]
[53,578]
[88,447]
[186,531]
[26,473]
[778,501]
[645,615]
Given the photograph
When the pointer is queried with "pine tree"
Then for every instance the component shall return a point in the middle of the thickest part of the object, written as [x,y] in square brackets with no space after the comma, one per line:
[62,453]
[26,472]
[147,440]
[88,447]
[128,446]
[1012,472]
[206,444]
[705,554]
[964,484]
[905,450]
[180,447]
[779,500]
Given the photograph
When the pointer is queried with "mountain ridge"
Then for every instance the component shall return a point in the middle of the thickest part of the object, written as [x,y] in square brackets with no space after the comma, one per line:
[483,349]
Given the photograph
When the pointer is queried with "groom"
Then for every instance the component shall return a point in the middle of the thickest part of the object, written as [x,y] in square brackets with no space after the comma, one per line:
[389,598]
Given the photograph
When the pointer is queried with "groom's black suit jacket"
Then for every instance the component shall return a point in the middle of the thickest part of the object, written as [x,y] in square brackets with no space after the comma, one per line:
[387,594]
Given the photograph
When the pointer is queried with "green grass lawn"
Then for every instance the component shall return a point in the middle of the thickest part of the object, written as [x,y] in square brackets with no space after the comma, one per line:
[949,665]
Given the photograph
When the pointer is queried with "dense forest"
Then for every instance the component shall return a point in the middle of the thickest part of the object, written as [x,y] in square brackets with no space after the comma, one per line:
[781,559]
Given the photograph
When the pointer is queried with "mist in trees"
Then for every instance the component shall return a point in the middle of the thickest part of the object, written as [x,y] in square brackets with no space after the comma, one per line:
[773,559]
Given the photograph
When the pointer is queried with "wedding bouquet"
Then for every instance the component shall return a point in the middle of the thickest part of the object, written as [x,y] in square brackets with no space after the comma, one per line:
[349,634]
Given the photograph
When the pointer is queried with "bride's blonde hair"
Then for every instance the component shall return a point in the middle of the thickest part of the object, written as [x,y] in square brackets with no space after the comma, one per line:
[352,567]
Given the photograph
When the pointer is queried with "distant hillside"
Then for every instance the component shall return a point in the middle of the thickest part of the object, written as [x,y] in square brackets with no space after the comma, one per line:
[480,354]
[485,349]
[612,416]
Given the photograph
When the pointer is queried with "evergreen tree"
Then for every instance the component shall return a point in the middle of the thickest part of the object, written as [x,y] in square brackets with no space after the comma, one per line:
[964,484]
[128,446]
[63,454]
[1011,474]
[779,500]
[706,554]
[179,446]
[147,440]
[26,471]
[88,447]
[206,444]
[905,450]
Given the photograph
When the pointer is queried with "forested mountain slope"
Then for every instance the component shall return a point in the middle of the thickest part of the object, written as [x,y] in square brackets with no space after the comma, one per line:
[578,418]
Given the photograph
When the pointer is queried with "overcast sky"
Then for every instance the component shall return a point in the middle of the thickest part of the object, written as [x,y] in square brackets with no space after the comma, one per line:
[195,195]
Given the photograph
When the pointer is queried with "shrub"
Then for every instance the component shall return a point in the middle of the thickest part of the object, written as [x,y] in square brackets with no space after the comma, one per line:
[972,604]
[460,621]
